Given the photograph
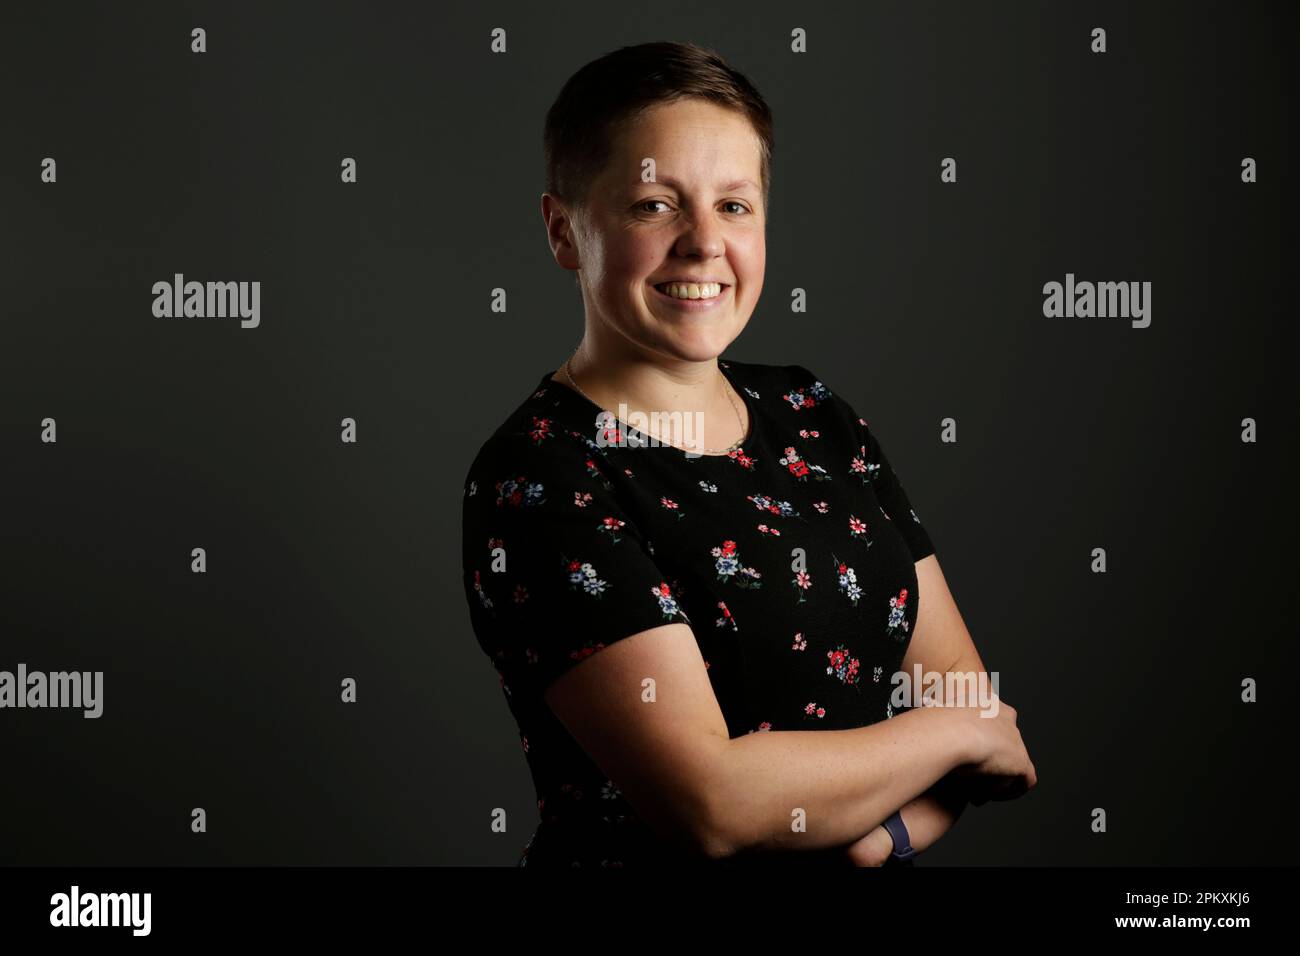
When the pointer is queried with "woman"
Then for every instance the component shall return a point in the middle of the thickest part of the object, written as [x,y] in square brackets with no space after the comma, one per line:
[696,617]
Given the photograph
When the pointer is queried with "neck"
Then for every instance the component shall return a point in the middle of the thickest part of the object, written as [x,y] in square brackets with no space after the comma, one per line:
[648,385]
[652,384]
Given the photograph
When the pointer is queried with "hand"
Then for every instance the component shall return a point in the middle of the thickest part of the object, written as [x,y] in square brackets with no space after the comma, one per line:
[1004,770]
[978,789]
[872,849]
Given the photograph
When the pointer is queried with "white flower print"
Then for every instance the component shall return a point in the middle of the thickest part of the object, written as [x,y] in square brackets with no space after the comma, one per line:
[583,574]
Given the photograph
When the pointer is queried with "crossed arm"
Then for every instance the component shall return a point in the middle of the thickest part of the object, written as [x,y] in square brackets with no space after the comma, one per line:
[940,643]
[680,768]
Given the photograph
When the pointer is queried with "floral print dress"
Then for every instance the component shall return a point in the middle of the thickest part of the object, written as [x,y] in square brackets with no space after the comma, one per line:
[791,558]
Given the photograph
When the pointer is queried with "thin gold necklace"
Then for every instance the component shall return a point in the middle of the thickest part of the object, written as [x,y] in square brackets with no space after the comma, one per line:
[717,451]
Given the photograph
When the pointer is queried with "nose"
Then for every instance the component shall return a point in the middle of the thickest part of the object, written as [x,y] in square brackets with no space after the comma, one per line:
[701,237]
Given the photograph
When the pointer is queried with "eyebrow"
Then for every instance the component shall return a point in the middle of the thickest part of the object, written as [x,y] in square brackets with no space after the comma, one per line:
[729,187]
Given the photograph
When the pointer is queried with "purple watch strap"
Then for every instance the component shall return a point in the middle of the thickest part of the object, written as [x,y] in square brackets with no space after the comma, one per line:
[902,841]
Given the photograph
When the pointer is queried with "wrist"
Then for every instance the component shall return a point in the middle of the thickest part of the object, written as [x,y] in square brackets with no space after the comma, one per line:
[901,849]
[872,848]
[963,734]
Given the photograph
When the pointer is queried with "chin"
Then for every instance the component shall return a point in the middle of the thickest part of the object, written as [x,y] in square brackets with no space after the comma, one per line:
[696,348]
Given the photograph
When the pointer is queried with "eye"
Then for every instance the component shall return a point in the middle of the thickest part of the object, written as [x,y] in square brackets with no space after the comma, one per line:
[741,207]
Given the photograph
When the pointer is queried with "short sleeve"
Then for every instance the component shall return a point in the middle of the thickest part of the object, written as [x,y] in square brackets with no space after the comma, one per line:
[554,567]
[893,498]
[884,480]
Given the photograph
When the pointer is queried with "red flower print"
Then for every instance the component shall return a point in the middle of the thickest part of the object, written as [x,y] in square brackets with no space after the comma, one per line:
[842,665]
[726,617]
[729,565]
[667,603]
[815,394]
[610,525]
[802,582]
[743,460]
[671,505]
[858,529]
[518,492]
[898,626]
[860,466]
[610,434]
[800,468]
[541,430]
[772,506]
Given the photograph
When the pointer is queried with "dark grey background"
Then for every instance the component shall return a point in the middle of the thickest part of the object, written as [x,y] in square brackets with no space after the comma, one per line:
[328,560]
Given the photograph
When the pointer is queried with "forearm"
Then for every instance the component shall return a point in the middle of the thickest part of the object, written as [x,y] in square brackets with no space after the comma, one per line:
[932,814]
[813,790]
[927,818]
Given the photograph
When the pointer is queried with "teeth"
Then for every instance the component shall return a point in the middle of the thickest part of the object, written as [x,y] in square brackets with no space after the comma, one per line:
[691,290]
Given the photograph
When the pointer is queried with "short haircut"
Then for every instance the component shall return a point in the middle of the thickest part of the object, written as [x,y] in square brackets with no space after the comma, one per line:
[596,101]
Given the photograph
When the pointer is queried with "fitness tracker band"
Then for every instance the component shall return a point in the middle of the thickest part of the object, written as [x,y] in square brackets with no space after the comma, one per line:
[903,851]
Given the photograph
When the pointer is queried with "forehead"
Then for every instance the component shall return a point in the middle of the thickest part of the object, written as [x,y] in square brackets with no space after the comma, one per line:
[689,138]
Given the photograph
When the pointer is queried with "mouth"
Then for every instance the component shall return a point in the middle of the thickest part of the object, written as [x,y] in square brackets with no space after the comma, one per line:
[692,296]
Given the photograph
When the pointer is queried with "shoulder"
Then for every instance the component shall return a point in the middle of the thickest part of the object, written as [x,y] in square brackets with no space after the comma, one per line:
[545,437]
[785,378]
[758,374]
[798,389]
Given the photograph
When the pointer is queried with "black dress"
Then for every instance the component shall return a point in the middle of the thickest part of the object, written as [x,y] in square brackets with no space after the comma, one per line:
[603,540]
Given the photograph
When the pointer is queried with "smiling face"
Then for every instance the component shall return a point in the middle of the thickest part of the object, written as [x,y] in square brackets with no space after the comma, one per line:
[703,219]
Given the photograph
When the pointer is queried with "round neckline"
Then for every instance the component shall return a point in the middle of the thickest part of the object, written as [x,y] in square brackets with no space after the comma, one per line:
[744,398]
